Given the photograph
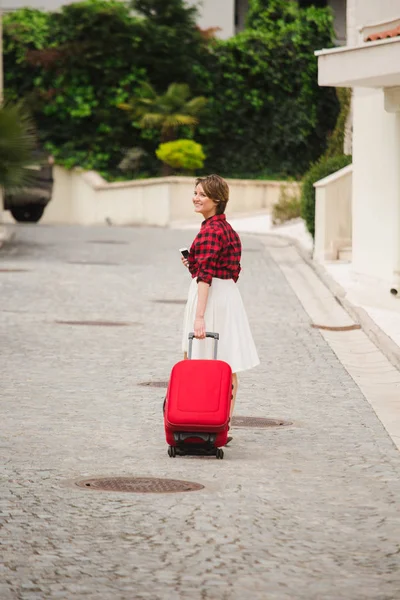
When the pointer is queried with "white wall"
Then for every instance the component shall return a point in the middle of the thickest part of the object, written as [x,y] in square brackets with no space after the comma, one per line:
[216,13]
[366,12]
[85,198]
[376,159]
[333,219]
[339,12]
[376,189]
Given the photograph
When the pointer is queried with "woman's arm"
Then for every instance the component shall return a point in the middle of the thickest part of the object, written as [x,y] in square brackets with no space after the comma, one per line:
[202,297]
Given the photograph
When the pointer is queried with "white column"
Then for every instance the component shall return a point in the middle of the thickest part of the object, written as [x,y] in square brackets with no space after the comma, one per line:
[376,188]
[392,106]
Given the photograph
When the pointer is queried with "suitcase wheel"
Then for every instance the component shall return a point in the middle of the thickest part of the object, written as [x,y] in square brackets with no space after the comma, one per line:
[171,451]
[219,453]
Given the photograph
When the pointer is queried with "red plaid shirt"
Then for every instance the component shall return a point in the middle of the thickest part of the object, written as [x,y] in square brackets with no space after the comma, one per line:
[216,251]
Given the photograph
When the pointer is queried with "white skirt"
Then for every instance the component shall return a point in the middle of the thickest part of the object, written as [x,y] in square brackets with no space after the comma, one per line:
[225,314]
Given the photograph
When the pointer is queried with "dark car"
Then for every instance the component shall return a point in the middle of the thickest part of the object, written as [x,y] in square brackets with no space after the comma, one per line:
[27,204]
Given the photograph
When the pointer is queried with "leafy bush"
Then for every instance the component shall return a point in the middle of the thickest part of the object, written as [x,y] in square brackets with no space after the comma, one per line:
[265,114]
[336,140]
[182,154]
[172,47]
[288,206]
[321,169]
[75,72]
[266,108]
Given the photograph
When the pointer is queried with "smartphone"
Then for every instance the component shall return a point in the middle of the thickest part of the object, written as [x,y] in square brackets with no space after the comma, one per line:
[184,252]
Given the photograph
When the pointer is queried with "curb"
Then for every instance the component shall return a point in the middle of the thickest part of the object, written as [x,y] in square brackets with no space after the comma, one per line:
[6,235]
[381,340]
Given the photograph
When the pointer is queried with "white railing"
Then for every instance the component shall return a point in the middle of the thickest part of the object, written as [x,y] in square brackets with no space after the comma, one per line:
[333,220]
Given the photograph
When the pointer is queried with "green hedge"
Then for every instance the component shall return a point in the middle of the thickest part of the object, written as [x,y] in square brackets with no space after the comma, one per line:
[266,113]
[323,168]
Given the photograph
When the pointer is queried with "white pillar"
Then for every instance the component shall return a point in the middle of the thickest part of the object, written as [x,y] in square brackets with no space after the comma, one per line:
[376,188]
[392,106]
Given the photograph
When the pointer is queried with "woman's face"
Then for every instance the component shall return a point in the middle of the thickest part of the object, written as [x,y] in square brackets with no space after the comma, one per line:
[202,203]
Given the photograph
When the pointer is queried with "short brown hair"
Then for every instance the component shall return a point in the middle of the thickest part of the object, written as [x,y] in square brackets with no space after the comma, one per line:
[217,189]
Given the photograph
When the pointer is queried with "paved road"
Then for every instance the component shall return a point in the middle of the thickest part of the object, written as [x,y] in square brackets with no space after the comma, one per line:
[309,512]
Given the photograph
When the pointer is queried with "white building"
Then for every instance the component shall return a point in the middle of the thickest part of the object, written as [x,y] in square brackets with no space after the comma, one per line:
[370,64]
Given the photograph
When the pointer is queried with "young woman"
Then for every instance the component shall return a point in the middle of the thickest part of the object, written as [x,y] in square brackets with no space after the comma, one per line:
[214,301]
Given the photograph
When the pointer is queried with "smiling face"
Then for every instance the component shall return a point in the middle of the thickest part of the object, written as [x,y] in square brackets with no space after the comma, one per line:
[202,203]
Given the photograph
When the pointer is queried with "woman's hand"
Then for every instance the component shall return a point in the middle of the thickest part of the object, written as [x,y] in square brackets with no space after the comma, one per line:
[199,328]
[185,262]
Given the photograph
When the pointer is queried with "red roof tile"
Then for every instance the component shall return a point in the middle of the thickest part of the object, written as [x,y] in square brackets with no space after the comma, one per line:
[383,35]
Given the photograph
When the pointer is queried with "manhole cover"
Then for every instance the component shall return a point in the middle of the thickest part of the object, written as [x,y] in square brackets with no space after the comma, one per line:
[96,323]
[139,485]
[93,262]
[107,242]
[14,270]
[166,301]
[259,422]
[336,328]
[157,384]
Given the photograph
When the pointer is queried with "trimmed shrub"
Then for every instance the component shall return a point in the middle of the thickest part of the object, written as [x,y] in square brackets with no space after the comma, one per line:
[321,169]
[184,155]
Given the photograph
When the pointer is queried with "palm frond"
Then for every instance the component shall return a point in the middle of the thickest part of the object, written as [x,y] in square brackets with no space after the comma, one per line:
[124,106]
[152,120]
[196,105]
[167,111]
[17,144]
[176,120]
[178,91]
[146,90]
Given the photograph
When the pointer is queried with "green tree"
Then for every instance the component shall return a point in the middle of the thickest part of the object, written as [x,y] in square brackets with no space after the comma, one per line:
[17,143]
[166,112]
[173,48]
[266,111]
[76,73]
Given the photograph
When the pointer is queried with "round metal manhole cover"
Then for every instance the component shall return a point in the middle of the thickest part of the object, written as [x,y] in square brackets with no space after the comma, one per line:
[96,323]
[337,328]
[10,270]
[139,485]
[259,422]
[95,263]
[157,384]
[115,242]
[167,301]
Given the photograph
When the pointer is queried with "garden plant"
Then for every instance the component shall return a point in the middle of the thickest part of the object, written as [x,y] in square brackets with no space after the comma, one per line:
[265,113]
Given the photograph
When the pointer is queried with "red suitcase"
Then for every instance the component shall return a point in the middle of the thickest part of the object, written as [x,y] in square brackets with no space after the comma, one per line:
[197,405]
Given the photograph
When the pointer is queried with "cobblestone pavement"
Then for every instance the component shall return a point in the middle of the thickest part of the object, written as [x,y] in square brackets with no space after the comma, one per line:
[308,512]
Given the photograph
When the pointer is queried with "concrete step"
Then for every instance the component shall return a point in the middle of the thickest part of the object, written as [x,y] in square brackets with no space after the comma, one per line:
[345,254]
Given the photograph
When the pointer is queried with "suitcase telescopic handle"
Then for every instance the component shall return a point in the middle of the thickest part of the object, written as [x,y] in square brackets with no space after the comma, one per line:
[209,334]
